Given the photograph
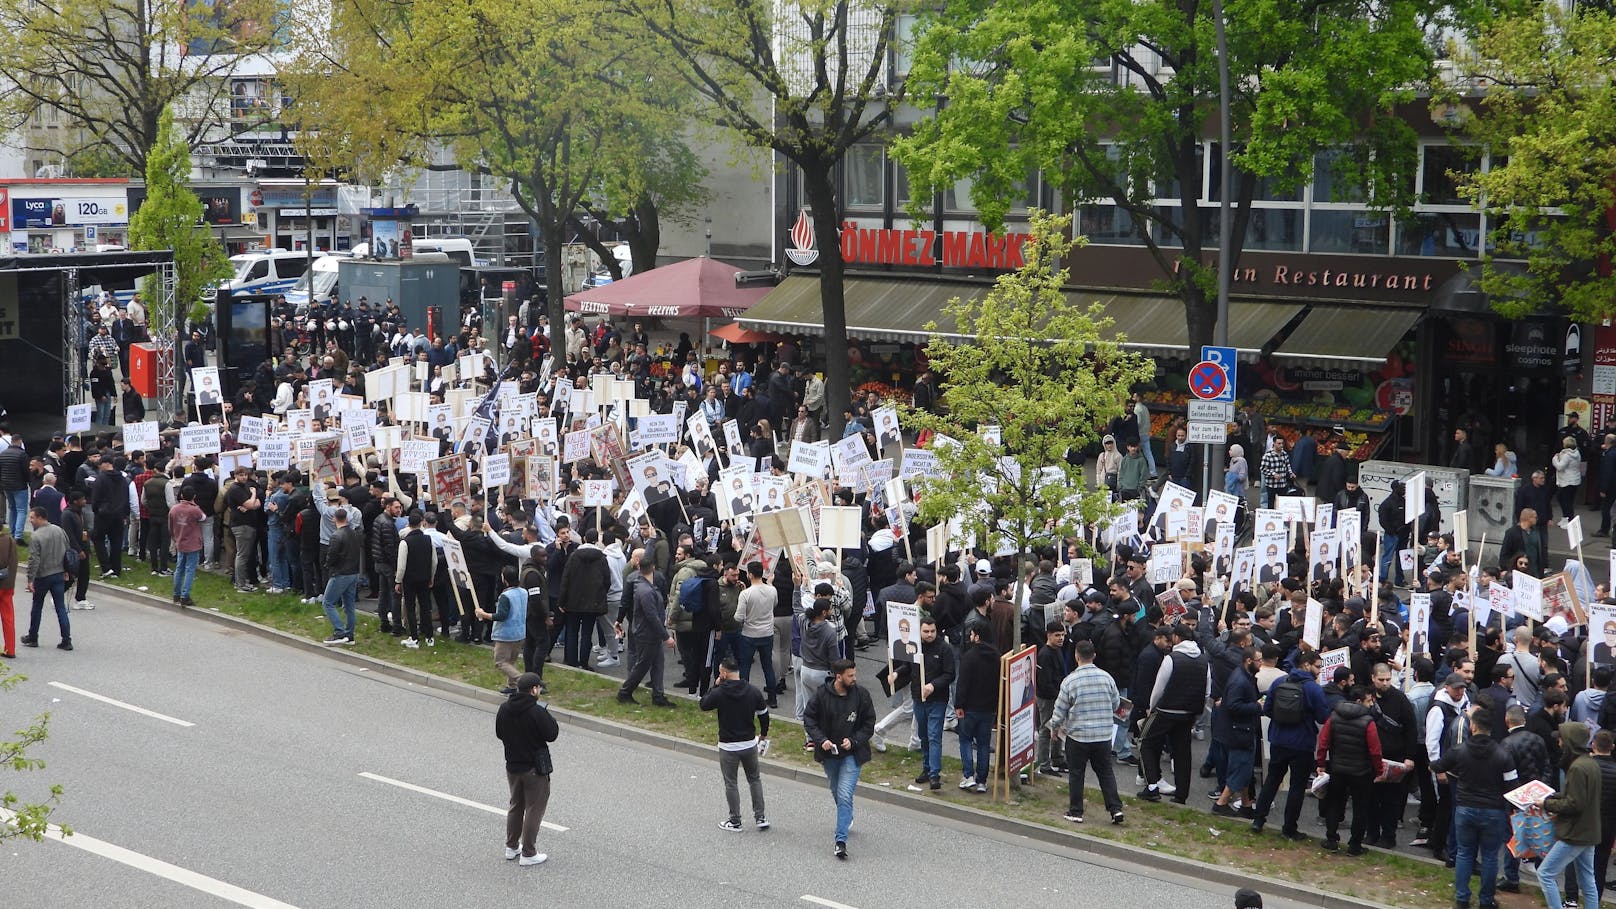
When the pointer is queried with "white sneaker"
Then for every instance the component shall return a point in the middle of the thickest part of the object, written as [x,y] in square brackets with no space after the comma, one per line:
[1166,788]
[606,661]
[273,590]
[83,604]
[967,783]
[512,855]
[533,859]
[879,742]
[413,645]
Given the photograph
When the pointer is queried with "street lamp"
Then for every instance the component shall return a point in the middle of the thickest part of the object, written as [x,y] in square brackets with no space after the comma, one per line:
[1220,328]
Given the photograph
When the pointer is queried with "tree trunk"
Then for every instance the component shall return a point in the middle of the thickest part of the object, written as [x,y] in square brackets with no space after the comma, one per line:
[647,234]
[554,226]
[832,302]
[1201,315]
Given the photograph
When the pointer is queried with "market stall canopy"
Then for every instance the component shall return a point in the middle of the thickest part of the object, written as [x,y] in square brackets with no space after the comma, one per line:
[1344,333]
[693,289]
[898,309]
[734,333]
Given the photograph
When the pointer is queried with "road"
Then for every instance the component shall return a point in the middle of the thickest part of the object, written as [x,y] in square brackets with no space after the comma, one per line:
[265,776]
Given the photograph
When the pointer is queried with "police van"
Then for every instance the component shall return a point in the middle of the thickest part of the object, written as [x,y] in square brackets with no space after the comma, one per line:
[270,271]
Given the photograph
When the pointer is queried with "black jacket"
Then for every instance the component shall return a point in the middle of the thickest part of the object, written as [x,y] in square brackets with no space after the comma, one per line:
[109,497]
[834,716]
[527,729]
[1531,756]
[1400,737]
[14,468]
[1346,736]
[1484,772]
[1052,669]
[978,680]
[384,544]
[1238,718]
[585,582]
[738,704]
[1117,652]
[941,668]
[343,551]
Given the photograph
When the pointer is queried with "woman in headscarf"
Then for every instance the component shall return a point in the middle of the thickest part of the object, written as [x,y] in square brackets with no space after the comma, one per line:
[1238,474]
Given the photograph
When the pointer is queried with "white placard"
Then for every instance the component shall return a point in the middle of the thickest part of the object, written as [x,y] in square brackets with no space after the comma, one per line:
[143,436]
[1313,623]
[199,440]
[1528,595]
[839,527]
[597,493]
[1419,623]
[658,429]
[275,454]
[918,463]
[355,435]
[809,459]
[250,432]
[1573,529]
[78,418]
[205,385]
[1414,498]
[496,470]
[575,446]
[415,454]
[849,457]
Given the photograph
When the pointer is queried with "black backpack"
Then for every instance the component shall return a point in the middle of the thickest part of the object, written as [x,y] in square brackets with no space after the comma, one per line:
[1290,702]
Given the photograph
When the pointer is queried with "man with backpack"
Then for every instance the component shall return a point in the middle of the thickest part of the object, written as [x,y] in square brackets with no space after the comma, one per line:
[1445,728]
[1295,706]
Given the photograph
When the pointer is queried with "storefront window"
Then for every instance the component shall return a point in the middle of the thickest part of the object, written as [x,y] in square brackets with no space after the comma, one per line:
[862,176]
[1172,189]
[1516,242]
[1274,228]
[1266,189]
[1452,235]
[1023,195]
[1107,224]
[1442,169]
[1338,176]
[1348,232]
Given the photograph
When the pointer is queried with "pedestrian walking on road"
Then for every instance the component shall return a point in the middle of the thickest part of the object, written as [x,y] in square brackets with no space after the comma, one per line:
[47,574]
[840,721]
[741,741]
[527,729]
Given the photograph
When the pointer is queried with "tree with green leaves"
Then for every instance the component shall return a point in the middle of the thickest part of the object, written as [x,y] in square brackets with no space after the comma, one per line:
[1111,102]
[1049,372]
[110,68]
[1539,95]
[20,818]
[807,80]
[547,96]
[171,218]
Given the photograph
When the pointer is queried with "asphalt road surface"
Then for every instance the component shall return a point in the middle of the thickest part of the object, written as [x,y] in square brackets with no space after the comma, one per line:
[207,767]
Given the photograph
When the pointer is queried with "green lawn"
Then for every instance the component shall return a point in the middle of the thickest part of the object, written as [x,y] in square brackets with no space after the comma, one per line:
[1391,879]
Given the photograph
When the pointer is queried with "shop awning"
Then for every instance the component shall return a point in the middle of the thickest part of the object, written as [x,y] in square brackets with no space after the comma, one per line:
[692,289]
[1342,333]
[883,309]
[1158,325]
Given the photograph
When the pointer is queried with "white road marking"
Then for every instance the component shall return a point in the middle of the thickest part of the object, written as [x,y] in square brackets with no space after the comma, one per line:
[116,703]
[821,901]
[160,868]
[453,798]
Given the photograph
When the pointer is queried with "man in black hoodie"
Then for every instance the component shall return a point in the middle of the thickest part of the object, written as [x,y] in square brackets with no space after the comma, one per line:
[976,705]
[527,729]
[839,722]
[740,742]
[109,499]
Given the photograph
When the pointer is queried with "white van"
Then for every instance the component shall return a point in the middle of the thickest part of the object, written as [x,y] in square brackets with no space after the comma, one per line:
[322,275]
[271,271]
[458,249]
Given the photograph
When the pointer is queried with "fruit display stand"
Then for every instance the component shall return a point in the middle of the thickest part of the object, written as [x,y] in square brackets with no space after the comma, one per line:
[1367,430]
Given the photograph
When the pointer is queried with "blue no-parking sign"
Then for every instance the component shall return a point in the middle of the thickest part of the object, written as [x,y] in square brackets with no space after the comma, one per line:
[1225,358]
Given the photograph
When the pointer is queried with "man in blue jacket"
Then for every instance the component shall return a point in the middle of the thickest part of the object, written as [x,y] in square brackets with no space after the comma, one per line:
[1293,732]
[1235,723]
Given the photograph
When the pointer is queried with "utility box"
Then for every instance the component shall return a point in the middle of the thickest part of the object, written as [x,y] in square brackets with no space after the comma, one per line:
[415,284]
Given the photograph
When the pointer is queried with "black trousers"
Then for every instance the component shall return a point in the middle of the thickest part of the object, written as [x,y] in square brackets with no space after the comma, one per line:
[576,651]
[536,646]
[1171,731]
[1359,788]
[1390,799]
[313,573]
[108,540]
[417,598]
[1283,762]
[157,543]
[693,654]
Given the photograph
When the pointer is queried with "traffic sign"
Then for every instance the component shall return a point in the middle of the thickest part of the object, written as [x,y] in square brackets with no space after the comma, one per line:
[1226,358]
[1208,433]
[1209,382]
[1211,412]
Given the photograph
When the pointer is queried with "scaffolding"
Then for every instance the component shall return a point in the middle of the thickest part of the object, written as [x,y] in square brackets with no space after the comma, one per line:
[459,203]
[79,271]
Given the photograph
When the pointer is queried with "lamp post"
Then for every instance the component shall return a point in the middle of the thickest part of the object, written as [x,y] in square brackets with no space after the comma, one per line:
[1220,328]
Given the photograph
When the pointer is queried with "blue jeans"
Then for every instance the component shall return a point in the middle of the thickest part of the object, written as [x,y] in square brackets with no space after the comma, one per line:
[280,567]
[929,726]
[185,572]
[975,729]
[103,411]
[1483,831]
[342,589]
[55,585]
[1390,561]
[764,648]
[1548,872]
[842,771]
[17,512]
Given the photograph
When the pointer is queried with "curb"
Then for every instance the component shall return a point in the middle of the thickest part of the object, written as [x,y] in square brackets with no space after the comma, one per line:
[1054,836]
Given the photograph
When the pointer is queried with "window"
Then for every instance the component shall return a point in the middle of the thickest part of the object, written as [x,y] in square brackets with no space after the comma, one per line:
[1338,176]
[1451,235]
[903,45]
[862,176]
[1171,191]
[1023,195]
[1267,189]
[1442,170]
[1272,228]
[259,270]
[1348,232]
[1107,224]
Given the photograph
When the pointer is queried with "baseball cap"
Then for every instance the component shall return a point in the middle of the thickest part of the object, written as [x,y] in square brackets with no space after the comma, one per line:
[983,566]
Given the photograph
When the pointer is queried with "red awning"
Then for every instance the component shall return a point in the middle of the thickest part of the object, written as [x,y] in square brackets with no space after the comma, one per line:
[692,289]
[735,334]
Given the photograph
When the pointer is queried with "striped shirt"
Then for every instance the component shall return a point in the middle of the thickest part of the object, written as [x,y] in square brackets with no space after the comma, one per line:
[1086,705]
